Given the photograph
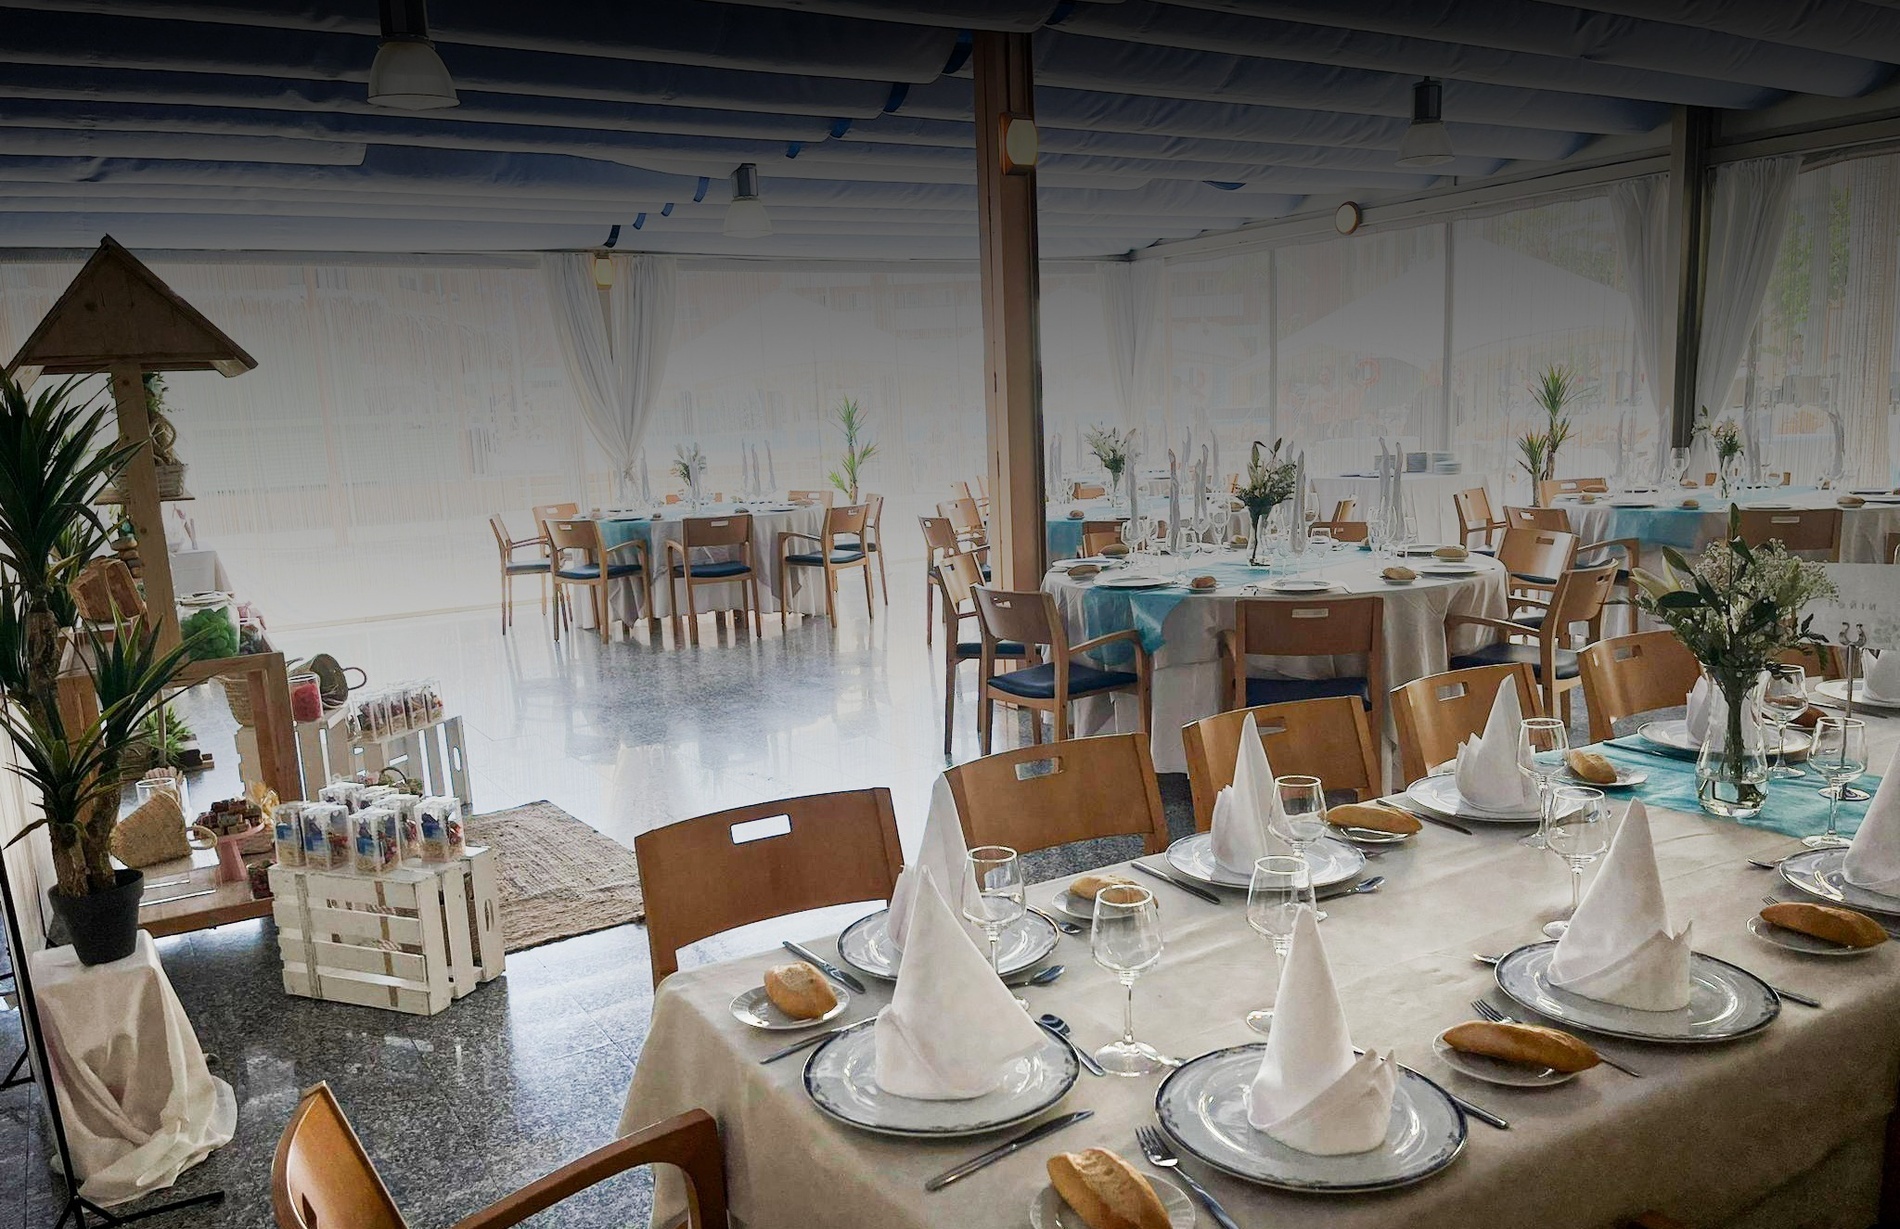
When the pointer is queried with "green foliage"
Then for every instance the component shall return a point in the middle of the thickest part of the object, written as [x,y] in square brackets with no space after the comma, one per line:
[1269,483]
[851,421]
[1554,390]
[50,472]
[1114,449]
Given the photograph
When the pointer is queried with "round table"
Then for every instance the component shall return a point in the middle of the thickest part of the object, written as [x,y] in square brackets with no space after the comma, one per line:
[1182,629]
[1658,519]
[806,593]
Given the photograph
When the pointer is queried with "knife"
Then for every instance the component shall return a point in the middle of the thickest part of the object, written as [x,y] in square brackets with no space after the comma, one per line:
[998,1153]
[1189,888]
[1643,746]
[807,1043]
[830,970]
[1425,817]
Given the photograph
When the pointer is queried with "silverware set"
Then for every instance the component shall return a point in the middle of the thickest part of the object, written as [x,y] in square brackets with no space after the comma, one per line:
[1156,1149]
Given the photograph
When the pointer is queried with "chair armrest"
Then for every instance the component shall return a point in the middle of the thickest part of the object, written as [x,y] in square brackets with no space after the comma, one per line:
[1127,633]
[634,544]
[689,1140]
[793,533]
[1632,548]
[1497,625]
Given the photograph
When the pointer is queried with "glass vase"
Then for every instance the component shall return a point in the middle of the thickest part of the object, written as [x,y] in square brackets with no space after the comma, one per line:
[1257,545]
[1731,771]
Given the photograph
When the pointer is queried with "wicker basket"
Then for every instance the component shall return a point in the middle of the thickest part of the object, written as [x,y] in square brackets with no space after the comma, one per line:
[171,480]
[153,832]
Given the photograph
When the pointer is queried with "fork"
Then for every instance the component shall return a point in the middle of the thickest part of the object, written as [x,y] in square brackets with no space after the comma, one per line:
[1161,1156]
[1484,1008]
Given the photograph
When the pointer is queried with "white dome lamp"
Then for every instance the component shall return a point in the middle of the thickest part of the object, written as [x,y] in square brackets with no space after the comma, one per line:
[745,216]
[407,73]
[1425,143]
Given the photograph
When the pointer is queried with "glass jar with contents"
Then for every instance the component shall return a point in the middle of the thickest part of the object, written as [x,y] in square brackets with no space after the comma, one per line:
[306,698]
[208,623]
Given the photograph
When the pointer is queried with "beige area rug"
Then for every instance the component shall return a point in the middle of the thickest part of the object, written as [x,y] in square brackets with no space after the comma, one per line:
[558,877]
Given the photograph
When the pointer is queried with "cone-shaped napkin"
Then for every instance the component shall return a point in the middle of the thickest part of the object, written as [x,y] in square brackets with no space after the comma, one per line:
[1618,948]
[1873,860]
[1696,717]
[1882,679]
[1243,812]
[1311,1093]
[947,858]
[953,1029]
[1488,775]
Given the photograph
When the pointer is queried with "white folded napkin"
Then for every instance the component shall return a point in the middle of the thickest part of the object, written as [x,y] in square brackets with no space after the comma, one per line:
[1696,717]
[1707,714]
[1487,772]
[1881,679]
[1241,831]
[953,1030]
[1873,860]
[1311,1093]
[1619,948]
[943,851]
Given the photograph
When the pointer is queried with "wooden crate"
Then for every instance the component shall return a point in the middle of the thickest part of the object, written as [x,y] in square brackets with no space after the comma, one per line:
[412,940]
[433,755]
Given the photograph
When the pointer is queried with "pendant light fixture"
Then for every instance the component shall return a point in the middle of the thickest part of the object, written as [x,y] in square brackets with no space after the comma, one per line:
[407,73]
[1425,143]
[604,260]
[745,216]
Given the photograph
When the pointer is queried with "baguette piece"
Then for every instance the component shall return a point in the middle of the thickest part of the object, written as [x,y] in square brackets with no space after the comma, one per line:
[1530,1044]
[1808,718]
[799,991]
[1591,767]
[1106,1191]
[1088,887]
[1379,819]
[1836,925]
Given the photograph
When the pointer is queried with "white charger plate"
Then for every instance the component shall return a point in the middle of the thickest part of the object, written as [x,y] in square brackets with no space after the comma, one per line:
[1048,1211]
[1439,795]
[1836,690]
[1725,1002]
[841,1080]
[1295,585]
[1497,1070]
[1821,873]
[1330,860]
[866,945]
[1133,582]
[756,1008]
[1449,569]
[1675,736]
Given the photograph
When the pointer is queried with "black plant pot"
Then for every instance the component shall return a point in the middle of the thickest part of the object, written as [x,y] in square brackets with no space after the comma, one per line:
[103,926]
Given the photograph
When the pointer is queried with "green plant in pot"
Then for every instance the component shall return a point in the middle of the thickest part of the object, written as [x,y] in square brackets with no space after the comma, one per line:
[1269,484]
[851,421]
[1537,450]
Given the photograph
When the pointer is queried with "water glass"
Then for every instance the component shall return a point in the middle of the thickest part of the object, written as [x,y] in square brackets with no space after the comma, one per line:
[1839,755]
[993,897]
[1276,896]
[1300,821]
[1579,833]
[1126,940]
[1783,698]
[1542,743]
[1679,465]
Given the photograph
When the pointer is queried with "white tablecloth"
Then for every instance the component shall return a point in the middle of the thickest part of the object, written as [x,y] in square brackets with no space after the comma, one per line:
[1427,496]
[140,1105]
[806,591]
[1864,530]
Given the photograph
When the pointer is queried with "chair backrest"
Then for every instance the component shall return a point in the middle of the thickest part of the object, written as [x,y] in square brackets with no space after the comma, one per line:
[1087,490]
[580,535]
[963,515]
[322,1178]
[543,513]
[960,490]
[1537,518]
[1473,508]
[1536,552]
[499,528]
[940,537]
[1549,488]
[874,515]
[959,575]
[1028,617]
[1580,594]
[1343,531]
[1320,627]
[1625,676]
[1344,509]
[1434,714]
[1039,797]
[848,520]
[707,875]
[1308,737]
[1890,553]
[810,497]
[707,531]
[1097,534]
[1804,531]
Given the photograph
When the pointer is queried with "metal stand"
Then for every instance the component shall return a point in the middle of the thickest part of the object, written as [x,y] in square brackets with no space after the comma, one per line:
[77,1207]
[1852,646]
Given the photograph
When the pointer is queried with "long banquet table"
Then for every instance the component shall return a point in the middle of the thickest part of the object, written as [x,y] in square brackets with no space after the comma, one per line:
[1664,522]
[1783,1128]
[804,593]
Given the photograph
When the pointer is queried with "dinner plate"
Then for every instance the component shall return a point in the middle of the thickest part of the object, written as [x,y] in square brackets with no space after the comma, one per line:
[755,1008]
[1203,1108]
[1836,690]
[1075,908]
[1330,860]
[1439,794]
[1626,778]
[866,945]
[1048,1211]
[1133,582]
[1497,1070]
[1796,941]
[1725,1002]
[1818,873]
[1674,736]
[1296,585]
[1632,503]
[1371,836]
[1771,507]
[841,1080]
[1449,569]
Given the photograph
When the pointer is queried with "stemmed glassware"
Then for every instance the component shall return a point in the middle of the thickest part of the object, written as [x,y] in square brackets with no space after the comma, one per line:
[1579,832]
[1275,897]
[1541,745]
[1679,465]
[1126,940]
[1840,755]
[993,898]
[1783,698]
[1300,820]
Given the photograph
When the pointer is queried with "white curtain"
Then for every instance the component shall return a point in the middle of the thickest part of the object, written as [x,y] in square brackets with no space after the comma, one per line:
[1748,215]
[1641,210]
[1132,293]
[616,356]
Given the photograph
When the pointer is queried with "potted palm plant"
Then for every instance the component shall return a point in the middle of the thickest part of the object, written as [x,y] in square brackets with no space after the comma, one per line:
[1537,450]
[851,421]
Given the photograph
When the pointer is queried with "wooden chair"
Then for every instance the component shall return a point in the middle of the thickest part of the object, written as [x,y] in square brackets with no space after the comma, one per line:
[1535,558]
[1578,597]
[960,490]
[1342,531]
[1434,714]
[1549,489]
[1628,675]
[957,576]
[1320,627]
[726,533]
[1804,531]
[1032,621]
[832,558]
[1086,490]
[965,519]
[323,1179]
[1308,737]
[542,514]
[1890,551]
[1537,518]
[810,497]
[983,497]
[874,540]
[1039,797]
[512,567]
[595,569]
[940,542]
[1097,534]
[707,875]
[1473,508]
[1345,509]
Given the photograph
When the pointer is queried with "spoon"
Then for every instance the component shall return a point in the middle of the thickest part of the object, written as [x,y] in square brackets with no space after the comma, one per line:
[1066,927]
[1044,977]
[1361,888]
[1060,1027]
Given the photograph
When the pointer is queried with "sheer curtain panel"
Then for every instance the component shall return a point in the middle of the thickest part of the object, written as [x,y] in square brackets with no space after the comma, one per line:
[1641,210]
[615,343]
[1131,313]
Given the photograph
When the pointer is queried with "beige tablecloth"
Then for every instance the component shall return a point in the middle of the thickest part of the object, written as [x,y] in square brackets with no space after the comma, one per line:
[1864,530]
[139,1104]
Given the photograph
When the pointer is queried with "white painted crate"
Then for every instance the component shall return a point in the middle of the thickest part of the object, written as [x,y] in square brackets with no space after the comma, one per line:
[412,940]
[433,755]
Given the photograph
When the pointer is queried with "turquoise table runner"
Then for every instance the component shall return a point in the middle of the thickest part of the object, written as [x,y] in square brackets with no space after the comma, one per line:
[1065,537]
[1689,529]
[1145,610]
[1793,809]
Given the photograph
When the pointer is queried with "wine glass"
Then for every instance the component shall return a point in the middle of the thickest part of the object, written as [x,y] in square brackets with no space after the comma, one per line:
[1679,465]
[993,898]
[1126,940]
[1275,897]
[1840,755]
[1783,698]
[1579,832]
[1130,532]
[1541,745]
[1300,820]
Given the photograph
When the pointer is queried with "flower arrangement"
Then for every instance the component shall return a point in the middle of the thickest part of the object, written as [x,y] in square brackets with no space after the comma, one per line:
[688,463]
[1269,484]
[851,421]
[1537,450]
[1114,449]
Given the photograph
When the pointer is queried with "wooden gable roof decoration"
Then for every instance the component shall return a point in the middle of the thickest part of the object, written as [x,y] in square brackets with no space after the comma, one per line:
[117,312]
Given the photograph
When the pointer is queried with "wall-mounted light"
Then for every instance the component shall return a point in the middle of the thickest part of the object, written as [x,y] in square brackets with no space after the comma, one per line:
[604,260]
[1019,144]
[1426,143]
[407,73]
[745,216]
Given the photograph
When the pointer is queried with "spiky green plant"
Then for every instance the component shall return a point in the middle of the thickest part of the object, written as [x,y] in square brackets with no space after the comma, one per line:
[1554,390]
[851,420]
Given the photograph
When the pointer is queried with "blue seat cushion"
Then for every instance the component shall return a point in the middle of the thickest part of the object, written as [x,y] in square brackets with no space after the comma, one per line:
[1531,619]
[1039,682]
[970,651]
[1528,579]
[1283,691]
[1507,654]
[725,567]
[813,559]
[527,569]
[591,571]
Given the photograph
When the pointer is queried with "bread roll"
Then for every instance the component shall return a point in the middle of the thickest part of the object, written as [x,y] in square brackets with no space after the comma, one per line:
[1850,501]
[799,991]
[1087,887]
[1399,572]
[1591,767]
[1106,1191]
[1843,926]
[1530,1044]
[1115,550]
[1203,582]
[1379,819]
[1452,554]
[1808,717]
[1082,571]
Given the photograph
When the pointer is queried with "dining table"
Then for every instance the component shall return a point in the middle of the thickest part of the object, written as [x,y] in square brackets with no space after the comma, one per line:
[1786,1125]
[1658,518]
[1181,627]
[803,590]
[1427,497]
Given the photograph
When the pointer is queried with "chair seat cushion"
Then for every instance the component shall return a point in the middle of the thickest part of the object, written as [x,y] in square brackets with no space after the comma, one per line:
[813,559]
[1508,654]
[971,650]
[591,571]
[1527,578]
[1282,691]
[1039,682]
[528,569]
[725,567]
[1532,619]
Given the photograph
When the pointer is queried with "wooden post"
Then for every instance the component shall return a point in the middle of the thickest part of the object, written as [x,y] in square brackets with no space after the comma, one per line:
[1689,140]
[138,486]
[1006,227]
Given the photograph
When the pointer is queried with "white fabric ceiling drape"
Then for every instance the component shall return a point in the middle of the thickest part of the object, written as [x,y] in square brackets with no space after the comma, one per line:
[1641,210]
[1132,293]
[616,357]
[1748,215]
